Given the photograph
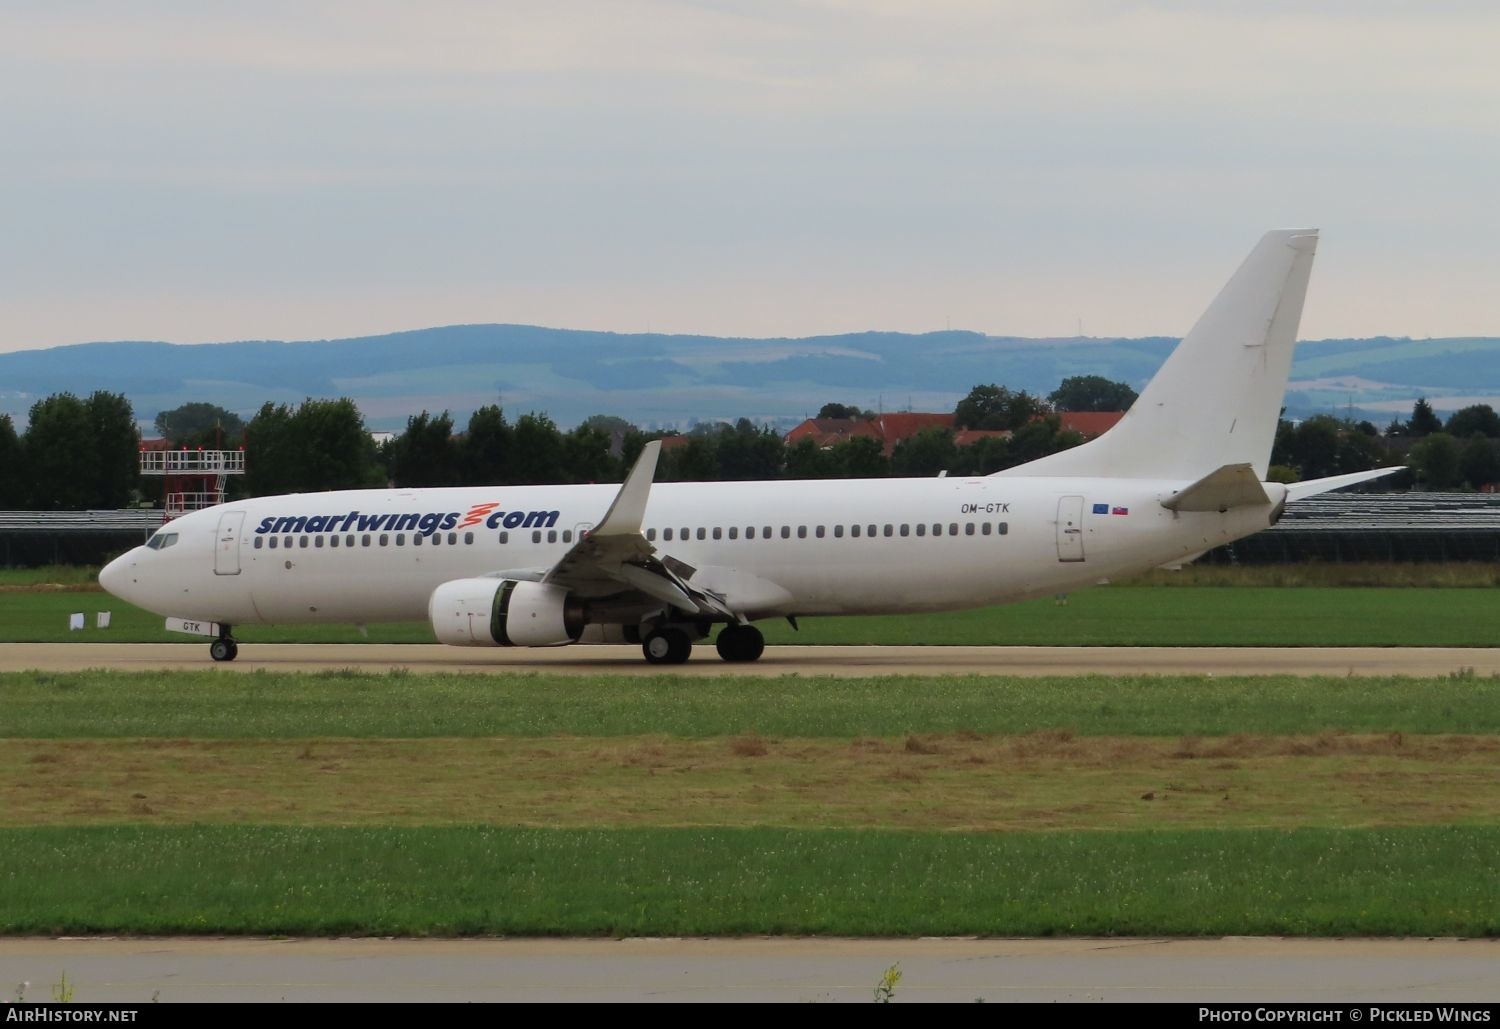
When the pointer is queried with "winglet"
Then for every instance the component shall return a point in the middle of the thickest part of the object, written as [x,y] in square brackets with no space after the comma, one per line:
[629,508]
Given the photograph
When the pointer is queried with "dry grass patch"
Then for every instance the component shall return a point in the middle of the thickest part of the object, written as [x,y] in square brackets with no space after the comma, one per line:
[749,745]
[1037,781]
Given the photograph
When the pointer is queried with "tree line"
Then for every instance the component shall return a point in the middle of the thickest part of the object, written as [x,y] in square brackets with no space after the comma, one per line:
[83,453]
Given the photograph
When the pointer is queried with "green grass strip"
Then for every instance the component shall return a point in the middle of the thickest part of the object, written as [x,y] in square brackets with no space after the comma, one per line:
[495,881]
[283,705]
[1098,616]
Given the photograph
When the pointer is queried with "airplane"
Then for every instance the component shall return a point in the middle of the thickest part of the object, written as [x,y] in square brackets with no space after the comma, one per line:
[663,564]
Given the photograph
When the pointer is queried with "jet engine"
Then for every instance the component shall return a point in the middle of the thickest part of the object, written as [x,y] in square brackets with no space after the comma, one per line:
[504,613]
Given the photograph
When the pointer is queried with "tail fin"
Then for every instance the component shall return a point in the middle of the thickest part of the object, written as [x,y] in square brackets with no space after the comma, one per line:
[1217,399]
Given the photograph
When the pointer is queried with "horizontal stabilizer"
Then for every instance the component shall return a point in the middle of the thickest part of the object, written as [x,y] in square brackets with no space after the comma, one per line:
[1234,485]
[1312,487]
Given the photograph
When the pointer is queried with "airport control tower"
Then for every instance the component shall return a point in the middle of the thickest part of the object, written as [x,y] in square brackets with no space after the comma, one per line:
[192,479]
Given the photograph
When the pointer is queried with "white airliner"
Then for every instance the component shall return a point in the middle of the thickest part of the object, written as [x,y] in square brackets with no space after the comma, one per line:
[663,564]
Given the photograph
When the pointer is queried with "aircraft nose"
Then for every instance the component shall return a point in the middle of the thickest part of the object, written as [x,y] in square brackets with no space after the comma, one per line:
[115,576]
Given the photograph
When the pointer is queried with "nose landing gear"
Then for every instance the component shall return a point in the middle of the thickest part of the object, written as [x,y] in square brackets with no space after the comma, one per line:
[224,648]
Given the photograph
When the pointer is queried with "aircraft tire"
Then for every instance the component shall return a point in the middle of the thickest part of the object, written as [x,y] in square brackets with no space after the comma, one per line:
[223,650]
[667,647]
[740,643]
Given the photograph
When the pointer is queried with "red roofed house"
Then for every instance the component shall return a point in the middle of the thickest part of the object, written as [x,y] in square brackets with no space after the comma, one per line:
[1089,424]
[826,432]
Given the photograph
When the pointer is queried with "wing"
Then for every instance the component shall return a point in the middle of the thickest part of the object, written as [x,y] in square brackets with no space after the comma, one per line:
[615,555]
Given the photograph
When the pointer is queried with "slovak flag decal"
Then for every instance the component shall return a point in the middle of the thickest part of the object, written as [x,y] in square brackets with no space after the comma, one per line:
[1120,510]
[1107,509]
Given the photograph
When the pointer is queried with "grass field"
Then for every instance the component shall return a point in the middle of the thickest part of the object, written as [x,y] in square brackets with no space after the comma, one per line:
[694,882]
[1099,616]
[357,705]
[429,804]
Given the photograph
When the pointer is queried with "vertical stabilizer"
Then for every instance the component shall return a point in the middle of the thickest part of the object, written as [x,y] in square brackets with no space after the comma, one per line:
[1217,398]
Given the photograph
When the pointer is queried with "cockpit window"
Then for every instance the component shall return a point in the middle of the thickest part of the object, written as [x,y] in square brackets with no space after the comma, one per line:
[161,541]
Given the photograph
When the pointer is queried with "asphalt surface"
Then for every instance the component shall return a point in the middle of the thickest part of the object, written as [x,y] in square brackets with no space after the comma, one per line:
[800,970]
[843,661]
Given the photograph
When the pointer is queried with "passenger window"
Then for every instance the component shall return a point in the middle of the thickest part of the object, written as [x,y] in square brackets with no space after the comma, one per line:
[349,540]
[666,535]
[1003,528]
[921,529]
[258,543]
[968,528]
[286,542]
[871,531]
[416,539]
[400,539]
[567,535]
[333,541]
[889,529]
[468,539]
[905,529]
[302,542]
[702,533]
[838,532]
[937,528]
[272,542]
[984,528]
[452,539]
[384,540]
[854,531]
[651,535]
[802,532]
[952,528]
[818,532]
[734,532]
[536,535]
[718,533]
[786,532]
[749,532]
[687,534]
[551,535]
[317,542]
[765,532]
[364,540]
[504,538]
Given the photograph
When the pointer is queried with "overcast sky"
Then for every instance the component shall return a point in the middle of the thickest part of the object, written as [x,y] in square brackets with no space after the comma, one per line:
[203,171]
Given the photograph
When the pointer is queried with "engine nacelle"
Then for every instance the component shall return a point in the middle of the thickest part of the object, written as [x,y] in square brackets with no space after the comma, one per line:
[504,613]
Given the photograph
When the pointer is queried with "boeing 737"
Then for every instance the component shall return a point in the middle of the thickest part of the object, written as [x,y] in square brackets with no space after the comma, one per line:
[664,564]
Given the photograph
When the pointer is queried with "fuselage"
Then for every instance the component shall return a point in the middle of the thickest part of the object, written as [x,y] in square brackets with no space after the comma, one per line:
[819,547]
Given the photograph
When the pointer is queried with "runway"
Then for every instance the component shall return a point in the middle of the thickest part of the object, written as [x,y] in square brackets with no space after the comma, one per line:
[778,661]
[784,970]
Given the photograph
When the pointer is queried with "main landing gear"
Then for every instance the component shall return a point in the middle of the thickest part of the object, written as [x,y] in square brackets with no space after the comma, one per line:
[672,644]
[224,648]
[740,643]
[669,646]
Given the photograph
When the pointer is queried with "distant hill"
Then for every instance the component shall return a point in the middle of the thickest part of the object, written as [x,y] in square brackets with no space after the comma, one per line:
[671,381]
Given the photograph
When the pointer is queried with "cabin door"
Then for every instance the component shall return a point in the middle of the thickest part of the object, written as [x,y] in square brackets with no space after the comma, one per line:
[227,552]
[1070,529]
